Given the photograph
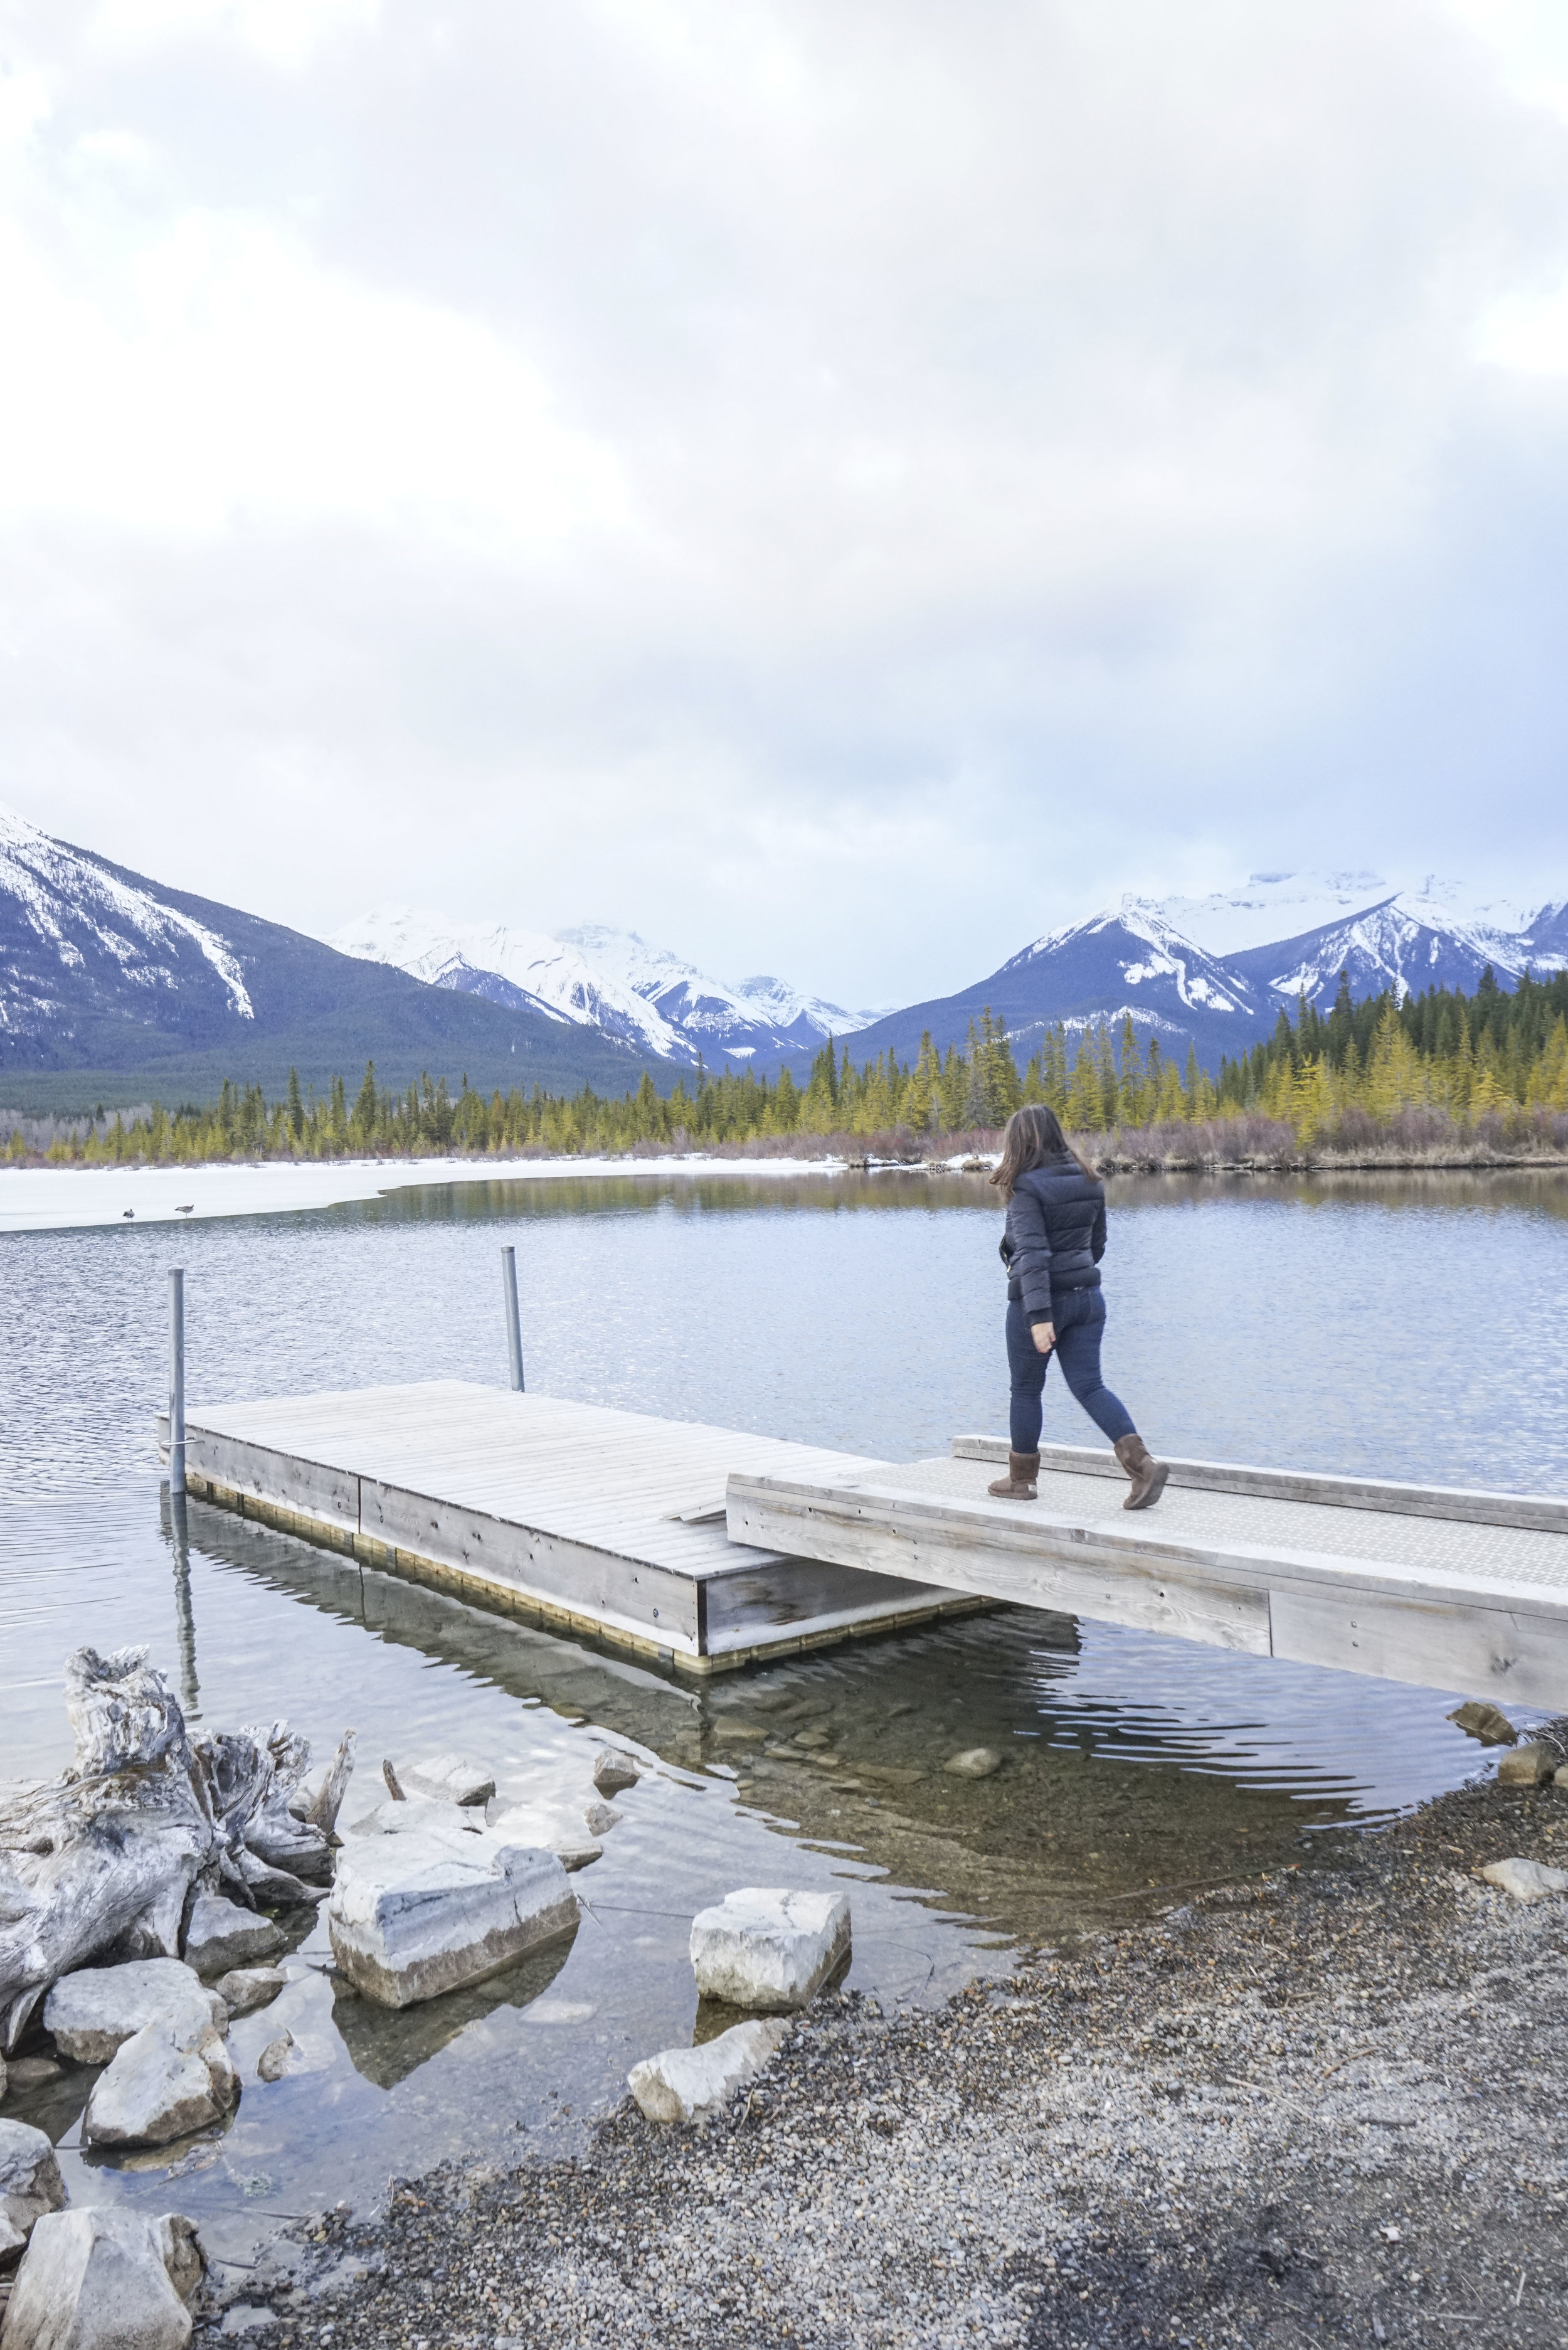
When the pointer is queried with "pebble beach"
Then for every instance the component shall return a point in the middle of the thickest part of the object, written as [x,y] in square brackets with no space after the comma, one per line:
[1324,2103]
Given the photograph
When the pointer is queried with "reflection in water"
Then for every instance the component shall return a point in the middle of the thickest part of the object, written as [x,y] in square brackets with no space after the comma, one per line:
[1199,1757]
[176,1528]
[386,2044]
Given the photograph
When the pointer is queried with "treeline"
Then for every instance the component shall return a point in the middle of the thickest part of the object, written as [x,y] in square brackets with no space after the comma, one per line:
[1491,1056]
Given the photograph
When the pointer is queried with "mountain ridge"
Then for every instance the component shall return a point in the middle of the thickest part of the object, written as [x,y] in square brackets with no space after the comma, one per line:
[113,986]
[595,975]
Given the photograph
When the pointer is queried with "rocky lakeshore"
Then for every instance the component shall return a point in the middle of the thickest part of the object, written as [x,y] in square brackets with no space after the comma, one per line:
[1325,2104]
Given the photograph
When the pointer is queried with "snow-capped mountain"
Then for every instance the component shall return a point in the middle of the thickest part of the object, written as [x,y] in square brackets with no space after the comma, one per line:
[1289,932]
[79,942]
[1127,960]
[1545,937]
[518,968]
[642,996]
[1270,906]
[104,971]
[762,1014]
[1433,934]
[1217,978]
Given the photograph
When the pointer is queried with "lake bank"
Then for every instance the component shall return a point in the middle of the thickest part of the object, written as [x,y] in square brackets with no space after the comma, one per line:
[42,1199]
[1325,2100]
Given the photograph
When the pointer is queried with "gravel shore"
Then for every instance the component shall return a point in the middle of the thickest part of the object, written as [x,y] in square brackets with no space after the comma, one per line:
[1328,2104]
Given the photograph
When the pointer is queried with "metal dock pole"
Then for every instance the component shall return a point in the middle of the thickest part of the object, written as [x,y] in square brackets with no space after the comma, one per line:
[177,1384]
[514,1321]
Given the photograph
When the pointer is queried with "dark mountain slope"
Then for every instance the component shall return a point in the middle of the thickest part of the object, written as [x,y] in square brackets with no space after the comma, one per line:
[114,988]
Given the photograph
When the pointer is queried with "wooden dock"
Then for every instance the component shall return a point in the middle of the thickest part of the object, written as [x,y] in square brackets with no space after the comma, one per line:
[705,1548]
[1450,1589]
[604,1524]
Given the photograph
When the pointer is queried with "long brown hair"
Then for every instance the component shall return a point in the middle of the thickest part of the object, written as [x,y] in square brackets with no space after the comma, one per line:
[1033,1135]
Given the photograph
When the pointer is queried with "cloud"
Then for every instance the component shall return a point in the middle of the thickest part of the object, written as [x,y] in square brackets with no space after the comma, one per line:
[836,489]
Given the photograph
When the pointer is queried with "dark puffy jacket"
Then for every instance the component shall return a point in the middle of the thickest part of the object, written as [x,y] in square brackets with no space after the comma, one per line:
[1055,1234]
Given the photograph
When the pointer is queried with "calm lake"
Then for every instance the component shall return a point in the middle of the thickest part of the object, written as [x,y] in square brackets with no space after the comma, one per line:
[1413,1327]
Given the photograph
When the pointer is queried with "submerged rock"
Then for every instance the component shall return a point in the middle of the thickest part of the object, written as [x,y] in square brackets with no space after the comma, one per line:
[614,1771]
[284,2055]
[428,1899]
[1484,1722]
[1526,1880]
[221,1935]
[766,1947]
[449,1778]
[975,1763]
[244,1989]
[163,2084]
[30,2184]
[599,1819]
[101,2279]
[32,2071]
[682,2084]
[95,2012]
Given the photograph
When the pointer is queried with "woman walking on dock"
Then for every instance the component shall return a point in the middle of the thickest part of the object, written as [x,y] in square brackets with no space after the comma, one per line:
[1052,1248]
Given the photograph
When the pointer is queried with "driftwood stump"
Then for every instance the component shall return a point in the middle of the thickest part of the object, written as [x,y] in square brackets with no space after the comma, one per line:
[101,1863]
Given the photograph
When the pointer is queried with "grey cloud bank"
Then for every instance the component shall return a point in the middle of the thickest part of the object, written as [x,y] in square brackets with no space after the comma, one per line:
[841,491]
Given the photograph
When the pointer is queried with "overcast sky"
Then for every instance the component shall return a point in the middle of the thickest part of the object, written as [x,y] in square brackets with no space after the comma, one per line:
[838,488]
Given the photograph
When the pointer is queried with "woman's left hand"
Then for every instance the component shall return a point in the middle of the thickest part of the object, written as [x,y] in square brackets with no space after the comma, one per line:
[1044,1337]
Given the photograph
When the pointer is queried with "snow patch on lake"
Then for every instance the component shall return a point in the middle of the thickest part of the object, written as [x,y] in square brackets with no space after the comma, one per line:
[72,1199]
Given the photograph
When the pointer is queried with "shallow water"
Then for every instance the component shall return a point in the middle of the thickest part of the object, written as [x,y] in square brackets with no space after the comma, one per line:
[1409,1327]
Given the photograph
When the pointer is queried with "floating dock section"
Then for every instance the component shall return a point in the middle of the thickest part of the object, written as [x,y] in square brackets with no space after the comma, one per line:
[601,1524]
[1450,1589]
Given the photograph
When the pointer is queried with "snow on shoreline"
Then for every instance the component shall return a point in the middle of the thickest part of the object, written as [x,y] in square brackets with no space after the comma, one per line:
[69,1199]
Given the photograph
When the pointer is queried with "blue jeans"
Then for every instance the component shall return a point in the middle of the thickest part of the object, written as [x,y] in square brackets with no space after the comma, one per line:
[1080,1318]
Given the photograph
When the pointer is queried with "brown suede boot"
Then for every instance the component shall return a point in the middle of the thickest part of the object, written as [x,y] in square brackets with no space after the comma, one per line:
[1148,1474]
[1018,1485]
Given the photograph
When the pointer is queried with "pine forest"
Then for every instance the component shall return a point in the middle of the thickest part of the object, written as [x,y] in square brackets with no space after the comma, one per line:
[1439,1073]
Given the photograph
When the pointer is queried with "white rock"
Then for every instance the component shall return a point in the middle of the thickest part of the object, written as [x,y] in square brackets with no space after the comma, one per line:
[221,1935]
[30,2184]
[104,2280]
[550,1827]
[393,1816]
[421,1906]
[1527,1881]
[248,1988]
[95,2012]
[162,2085]
[974,1762]
[450,1777]
[600,1818]
[614,1771]
[766,1947]
[682,2084]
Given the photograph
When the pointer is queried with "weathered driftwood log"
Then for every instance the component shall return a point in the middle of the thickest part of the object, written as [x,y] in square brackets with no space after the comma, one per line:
[101,1862]
[323,1812]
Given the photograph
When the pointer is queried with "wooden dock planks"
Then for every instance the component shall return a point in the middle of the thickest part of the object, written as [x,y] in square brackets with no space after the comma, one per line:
[708,1547]
[1369,1577]
[603,1523]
